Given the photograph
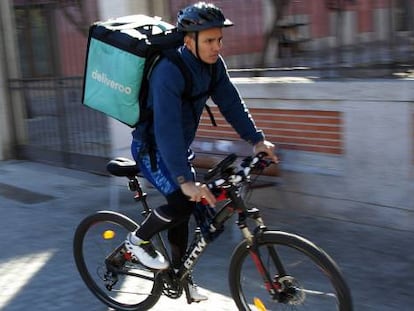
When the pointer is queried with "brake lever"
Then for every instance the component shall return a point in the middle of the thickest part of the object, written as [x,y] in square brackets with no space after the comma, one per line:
[263,161]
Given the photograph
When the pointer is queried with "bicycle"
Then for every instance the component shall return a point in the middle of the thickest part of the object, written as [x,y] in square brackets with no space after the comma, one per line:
[269,269]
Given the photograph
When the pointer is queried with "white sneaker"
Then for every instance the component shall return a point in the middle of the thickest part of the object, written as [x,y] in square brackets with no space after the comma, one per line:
[194,294]
[145,252]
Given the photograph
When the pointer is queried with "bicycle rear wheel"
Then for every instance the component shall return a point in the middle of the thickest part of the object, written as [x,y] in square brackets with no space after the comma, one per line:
[107,269]
[303,275]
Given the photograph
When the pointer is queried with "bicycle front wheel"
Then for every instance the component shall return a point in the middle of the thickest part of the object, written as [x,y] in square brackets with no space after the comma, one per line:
[107,269]
[301,275]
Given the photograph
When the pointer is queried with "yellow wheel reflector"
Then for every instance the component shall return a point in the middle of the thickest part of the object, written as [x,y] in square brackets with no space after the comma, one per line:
[108,234]
[259,304]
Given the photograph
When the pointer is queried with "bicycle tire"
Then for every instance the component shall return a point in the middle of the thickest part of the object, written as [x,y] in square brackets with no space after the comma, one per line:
[88,239]
[312,293]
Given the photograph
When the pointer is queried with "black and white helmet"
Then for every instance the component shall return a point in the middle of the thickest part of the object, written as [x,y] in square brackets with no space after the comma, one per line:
[201,16]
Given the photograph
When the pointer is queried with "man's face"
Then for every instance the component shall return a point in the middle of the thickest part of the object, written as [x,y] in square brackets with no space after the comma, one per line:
[209,44]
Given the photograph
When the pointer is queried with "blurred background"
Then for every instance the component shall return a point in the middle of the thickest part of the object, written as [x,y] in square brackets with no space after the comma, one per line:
[44,47]
[329,81]
[271,34]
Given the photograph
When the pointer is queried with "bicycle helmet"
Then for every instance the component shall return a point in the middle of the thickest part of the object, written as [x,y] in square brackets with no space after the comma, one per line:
[201,16]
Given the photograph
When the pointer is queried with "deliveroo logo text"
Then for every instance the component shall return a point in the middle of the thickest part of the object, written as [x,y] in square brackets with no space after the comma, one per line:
[102,78]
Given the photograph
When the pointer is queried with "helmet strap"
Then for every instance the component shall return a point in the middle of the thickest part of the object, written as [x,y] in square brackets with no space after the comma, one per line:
[196,45]
[195,38]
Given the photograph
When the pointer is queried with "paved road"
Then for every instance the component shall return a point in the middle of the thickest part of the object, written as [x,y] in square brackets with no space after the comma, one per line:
[41,205]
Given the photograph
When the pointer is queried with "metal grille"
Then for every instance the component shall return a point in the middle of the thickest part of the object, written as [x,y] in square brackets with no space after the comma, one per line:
[52,39]
[59,128]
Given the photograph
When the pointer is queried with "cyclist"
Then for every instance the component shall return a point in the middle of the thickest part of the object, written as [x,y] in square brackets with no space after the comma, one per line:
[161,147]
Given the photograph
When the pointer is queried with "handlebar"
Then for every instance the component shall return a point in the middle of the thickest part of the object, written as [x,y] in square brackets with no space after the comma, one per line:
[225,173]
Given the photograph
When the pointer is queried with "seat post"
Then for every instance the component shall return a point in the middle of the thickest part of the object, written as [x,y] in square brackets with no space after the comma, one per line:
[135,186]
[140,196]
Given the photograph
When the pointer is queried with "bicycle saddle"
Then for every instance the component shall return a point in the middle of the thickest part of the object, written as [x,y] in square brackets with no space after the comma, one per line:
[122,167]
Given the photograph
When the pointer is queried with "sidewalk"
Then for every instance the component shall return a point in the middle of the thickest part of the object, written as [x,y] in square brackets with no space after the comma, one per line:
[41,205]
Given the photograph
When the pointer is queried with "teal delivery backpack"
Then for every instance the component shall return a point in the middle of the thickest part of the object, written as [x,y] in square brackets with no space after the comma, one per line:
[120,55]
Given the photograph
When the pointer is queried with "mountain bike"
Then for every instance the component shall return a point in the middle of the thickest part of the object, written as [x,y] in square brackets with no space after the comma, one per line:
[269,269]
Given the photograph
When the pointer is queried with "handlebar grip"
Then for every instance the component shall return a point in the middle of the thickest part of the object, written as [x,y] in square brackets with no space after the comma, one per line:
[260,163]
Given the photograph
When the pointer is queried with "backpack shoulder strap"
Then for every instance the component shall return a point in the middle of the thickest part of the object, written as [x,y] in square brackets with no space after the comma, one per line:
[210,91]
[175,58]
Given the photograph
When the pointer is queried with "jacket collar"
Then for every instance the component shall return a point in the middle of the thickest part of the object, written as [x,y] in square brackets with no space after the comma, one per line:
[192,60]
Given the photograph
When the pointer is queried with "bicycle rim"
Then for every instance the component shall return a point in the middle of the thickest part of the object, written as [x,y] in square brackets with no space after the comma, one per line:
[310,281]
[107,269]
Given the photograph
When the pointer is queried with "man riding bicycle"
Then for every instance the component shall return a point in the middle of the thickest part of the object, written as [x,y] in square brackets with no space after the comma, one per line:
[161,146]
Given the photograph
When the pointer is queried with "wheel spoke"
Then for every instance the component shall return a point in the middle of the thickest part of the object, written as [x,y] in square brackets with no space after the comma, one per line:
[305,277]
[319,293]
[106,267]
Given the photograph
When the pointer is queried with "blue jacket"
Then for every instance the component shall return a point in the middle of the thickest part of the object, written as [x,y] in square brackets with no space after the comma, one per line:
[175,123]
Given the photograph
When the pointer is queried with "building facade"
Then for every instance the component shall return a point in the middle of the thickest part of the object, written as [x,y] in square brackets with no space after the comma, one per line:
[43,47]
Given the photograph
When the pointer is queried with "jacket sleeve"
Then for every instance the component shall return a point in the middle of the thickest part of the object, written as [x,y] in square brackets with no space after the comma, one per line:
[166,88]
[227,98]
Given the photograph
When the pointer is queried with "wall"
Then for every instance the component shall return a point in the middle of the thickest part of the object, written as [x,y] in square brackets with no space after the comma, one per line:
[377,162]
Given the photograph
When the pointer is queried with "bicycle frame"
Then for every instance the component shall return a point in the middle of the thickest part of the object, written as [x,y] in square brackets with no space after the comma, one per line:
[199,244]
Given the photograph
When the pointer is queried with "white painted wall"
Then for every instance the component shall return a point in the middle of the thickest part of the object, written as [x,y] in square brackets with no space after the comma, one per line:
[381,24]
[112,9]
[378,161]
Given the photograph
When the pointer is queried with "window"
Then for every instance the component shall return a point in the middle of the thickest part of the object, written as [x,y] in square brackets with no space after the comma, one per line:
[404,15]
[33,25]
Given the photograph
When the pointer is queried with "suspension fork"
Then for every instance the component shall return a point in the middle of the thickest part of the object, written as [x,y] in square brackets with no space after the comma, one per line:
[254,252]
[268,280]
